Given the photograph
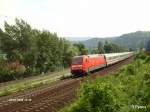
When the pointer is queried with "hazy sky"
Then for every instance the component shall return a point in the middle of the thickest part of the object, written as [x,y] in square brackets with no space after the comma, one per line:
[80,18]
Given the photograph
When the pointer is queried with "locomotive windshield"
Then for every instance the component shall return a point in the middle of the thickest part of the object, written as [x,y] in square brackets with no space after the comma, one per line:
[77,60]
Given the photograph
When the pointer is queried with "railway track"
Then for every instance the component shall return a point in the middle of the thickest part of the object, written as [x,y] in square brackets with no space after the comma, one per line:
[112,68]
[14,103]
[49,98]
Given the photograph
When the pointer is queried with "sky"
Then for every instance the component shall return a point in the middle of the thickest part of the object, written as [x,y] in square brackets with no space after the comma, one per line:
[80,18]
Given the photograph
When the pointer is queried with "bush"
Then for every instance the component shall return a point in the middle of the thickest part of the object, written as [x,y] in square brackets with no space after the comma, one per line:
[10,72]
[140,55]
[96,96]
[125,92]
[4,71]
[147,59]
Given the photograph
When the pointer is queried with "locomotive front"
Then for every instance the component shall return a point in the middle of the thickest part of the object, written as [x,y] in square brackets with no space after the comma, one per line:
[77,65]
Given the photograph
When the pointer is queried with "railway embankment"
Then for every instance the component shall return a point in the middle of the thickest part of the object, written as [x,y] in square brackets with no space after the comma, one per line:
[31,82]
[127,90]
[50,97]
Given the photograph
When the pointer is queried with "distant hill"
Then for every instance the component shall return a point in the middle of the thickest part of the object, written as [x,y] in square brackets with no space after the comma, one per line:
[76,39]
[133,40]
[148,46]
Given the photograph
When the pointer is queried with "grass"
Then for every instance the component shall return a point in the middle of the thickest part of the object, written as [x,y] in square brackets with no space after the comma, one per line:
[32,82]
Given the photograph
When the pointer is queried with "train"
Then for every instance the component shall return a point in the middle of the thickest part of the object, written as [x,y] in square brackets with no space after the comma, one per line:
[86,63]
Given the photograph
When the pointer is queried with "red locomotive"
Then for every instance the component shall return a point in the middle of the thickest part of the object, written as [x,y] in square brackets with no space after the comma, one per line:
[86,63]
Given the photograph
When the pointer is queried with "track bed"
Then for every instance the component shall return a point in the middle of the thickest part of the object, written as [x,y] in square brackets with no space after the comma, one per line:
[49,98]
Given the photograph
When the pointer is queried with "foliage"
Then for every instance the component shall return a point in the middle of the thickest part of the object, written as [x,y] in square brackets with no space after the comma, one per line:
[133,41]
[82,49]
[128,90]
[107,48]
[4,71]
[148,46]
[100,48]
[38,51]
[96,97]
[112,48]
[94,51]
[141,55]
[10,71]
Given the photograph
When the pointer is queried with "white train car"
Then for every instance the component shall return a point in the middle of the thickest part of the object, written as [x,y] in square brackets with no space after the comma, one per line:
[112,58]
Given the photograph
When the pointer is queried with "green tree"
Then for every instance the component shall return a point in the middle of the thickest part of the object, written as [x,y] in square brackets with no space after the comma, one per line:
[113,48]
[100,48]
[69,52]
[82,49]
[35,51]
[18,40]
[47,49]
[94,51]
[148,46]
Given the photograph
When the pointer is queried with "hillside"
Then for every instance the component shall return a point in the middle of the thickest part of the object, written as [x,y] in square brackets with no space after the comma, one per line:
[127,90]
[133,40]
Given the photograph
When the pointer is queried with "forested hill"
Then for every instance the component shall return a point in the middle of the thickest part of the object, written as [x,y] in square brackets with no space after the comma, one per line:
[133,40]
